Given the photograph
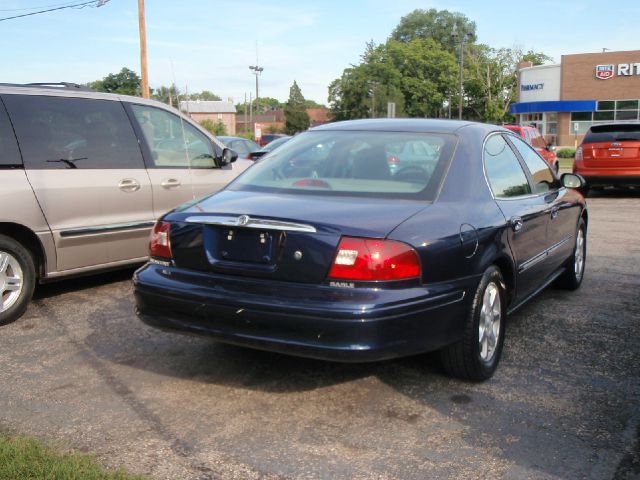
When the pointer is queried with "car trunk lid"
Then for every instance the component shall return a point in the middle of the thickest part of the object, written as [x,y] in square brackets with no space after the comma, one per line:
[281,237]
[616,154]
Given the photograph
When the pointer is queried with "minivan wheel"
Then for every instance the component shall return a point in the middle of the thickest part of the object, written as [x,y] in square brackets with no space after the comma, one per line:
[572,277]
[476,356]
[17,279]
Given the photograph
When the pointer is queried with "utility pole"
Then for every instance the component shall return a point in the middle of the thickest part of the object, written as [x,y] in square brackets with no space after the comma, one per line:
[143,50]
[463,38]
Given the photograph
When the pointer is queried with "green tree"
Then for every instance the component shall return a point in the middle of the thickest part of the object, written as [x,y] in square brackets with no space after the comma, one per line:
[490,80]
[125,82]
[204,95]
[170,95]
[267,104]
[296,118]
[434,24]
[217,128]
[416,75]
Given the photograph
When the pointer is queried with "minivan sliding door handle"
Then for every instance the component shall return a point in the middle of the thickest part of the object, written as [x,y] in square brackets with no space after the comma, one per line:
[170,183]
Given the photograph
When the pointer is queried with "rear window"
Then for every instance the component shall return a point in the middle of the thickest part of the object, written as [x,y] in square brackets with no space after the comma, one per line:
[612,133]
[335,163]
[68,133]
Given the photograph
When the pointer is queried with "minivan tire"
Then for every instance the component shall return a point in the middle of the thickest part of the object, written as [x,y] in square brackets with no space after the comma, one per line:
[16,262]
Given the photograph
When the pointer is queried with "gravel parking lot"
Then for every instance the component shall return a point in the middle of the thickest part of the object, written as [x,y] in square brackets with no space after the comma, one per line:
[80,369]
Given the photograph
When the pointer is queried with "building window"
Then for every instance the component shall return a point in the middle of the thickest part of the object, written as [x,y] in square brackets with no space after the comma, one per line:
[607,111]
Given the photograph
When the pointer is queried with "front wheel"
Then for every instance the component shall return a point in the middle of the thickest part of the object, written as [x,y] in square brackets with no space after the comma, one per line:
[572,277]
[17,279]
[476,356]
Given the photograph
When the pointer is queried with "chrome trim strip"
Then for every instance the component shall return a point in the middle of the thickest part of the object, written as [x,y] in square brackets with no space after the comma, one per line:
[566,239]
[533,261]
[245,221]
[542,255]
[105,229]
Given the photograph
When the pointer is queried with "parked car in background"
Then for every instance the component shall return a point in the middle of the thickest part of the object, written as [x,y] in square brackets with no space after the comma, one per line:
[321,250]
[242,146]
[270,137]
[269,147]
[533,137]
[610,155]
[84,176]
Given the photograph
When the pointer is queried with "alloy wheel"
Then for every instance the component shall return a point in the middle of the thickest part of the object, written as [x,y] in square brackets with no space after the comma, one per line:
[489,324]
[11,280]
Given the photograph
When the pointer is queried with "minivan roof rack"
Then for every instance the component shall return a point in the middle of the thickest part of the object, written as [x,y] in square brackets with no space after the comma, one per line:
[55,85]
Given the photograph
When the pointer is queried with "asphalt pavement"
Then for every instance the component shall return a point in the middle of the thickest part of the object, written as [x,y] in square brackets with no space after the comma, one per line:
[81,371]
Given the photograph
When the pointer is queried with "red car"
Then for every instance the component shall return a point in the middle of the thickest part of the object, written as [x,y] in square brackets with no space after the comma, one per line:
[533,137]
[610,155]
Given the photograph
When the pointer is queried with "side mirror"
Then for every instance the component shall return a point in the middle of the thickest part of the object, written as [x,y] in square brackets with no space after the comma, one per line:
[228,156]
[551,148]
[572,180]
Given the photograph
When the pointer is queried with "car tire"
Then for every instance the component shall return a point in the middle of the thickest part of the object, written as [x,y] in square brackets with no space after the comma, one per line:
[477,355]
[572,277]
[17,279]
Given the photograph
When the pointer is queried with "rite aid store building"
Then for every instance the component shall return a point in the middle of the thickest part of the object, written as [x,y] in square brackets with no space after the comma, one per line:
[564,100]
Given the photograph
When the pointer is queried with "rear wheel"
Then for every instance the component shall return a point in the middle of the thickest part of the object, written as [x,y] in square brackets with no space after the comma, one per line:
[571,279]
[17,279]
[476,356]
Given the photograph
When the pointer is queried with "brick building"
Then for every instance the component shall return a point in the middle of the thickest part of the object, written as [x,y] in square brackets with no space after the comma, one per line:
[565,99]
[212,110]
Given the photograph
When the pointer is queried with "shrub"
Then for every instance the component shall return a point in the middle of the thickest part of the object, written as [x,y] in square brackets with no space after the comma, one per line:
[216,128]
[566,153]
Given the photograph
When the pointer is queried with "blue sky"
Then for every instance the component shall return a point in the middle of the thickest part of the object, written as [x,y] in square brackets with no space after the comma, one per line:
[210,44]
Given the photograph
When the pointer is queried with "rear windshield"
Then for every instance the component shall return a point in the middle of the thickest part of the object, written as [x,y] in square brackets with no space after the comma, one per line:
[354,163]
[612,133]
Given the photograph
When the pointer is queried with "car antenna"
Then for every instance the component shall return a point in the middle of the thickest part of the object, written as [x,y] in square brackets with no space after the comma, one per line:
[184,137]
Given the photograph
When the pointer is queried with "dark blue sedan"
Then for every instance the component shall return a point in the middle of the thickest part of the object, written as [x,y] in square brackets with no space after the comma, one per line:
[324,250]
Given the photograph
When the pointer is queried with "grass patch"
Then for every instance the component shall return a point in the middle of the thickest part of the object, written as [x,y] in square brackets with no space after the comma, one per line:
[566,163]
[29,459]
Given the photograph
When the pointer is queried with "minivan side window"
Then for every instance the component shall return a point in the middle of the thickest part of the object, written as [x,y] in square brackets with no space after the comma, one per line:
[504,172]
[56,132]
[9,153]
[543,179]
[173,142]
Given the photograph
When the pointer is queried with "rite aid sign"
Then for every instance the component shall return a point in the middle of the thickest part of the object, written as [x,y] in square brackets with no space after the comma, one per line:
[605,72]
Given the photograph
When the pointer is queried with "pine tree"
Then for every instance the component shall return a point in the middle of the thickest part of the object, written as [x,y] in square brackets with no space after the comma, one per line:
[296,118]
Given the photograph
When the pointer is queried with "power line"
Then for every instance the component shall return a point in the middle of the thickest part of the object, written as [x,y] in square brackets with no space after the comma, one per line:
[34,8]
[96,3]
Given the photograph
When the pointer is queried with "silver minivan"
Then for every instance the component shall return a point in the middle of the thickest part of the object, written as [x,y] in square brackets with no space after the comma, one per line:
[83,177]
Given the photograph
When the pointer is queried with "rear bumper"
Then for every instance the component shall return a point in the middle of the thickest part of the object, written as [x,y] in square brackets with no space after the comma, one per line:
[613,180]
[329,323]
[608,176]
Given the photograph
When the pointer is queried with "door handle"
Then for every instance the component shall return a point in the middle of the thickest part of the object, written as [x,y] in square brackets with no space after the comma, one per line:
[129,185]
[171,183]
[516,224]
[554,212]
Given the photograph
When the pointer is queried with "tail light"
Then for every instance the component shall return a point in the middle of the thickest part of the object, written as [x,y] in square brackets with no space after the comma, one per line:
[393,160]
[160,242]
[370,259]
[578,156]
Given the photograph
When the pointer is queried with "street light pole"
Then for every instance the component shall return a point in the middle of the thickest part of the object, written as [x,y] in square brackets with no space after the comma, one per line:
[463,38]
[257,70]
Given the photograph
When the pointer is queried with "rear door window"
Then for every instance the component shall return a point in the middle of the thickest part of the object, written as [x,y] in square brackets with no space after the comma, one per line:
[504,172]
[9,153]
[62,132]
